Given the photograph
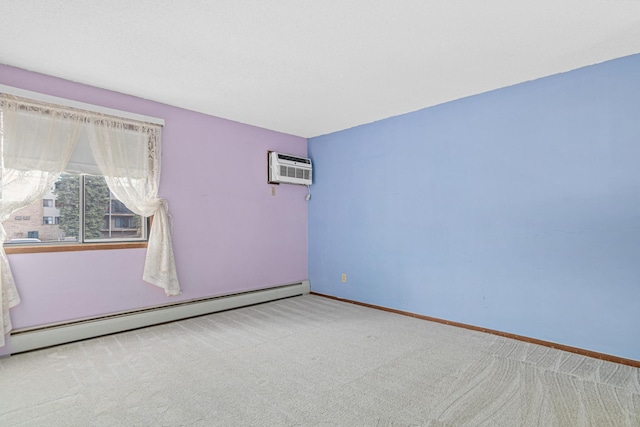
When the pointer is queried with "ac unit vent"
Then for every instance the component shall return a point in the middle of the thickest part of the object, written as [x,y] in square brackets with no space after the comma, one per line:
[289,169]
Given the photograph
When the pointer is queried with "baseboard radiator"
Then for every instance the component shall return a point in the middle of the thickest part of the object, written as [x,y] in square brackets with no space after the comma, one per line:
[32,339]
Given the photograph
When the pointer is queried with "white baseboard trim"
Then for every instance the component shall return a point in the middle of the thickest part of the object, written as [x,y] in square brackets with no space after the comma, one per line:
[33,339]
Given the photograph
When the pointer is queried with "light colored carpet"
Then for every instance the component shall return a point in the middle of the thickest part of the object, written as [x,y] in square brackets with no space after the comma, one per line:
[310,361]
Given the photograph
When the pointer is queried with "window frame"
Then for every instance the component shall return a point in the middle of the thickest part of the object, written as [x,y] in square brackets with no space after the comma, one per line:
[85,241]
[86,244]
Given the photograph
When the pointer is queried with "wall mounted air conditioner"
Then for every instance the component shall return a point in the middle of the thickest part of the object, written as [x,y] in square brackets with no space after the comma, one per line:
[288,169]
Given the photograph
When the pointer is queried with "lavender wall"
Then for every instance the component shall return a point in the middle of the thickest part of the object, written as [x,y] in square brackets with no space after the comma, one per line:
[230,234]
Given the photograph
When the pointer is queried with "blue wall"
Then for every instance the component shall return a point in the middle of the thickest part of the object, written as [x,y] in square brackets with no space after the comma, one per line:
[516,210]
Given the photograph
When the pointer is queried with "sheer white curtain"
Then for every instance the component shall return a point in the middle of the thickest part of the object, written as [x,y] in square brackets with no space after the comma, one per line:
[128,155]
[36,143]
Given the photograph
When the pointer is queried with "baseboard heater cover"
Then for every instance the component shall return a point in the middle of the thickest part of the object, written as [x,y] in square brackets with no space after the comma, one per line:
[33,339]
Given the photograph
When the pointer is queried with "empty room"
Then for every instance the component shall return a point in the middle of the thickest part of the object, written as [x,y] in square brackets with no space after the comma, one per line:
[304,213]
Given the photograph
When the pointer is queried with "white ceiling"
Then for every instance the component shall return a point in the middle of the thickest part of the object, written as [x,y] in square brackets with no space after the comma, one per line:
[311,67]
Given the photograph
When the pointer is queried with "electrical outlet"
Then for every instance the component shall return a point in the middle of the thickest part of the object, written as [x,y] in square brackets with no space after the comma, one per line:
[344,277]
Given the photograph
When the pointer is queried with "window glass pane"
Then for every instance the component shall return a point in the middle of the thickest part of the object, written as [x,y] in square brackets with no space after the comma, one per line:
[56,218]
[105,216]
[96,206]
[67,202]
[37,222]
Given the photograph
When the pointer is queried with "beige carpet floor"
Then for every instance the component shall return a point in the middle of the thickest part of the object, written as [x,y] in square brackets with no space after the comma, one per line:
[311,361]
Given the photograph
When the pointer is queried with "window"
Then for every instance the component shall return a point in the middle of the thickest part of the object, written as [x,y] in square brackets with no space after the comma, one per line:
[34,136]
[83,210]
